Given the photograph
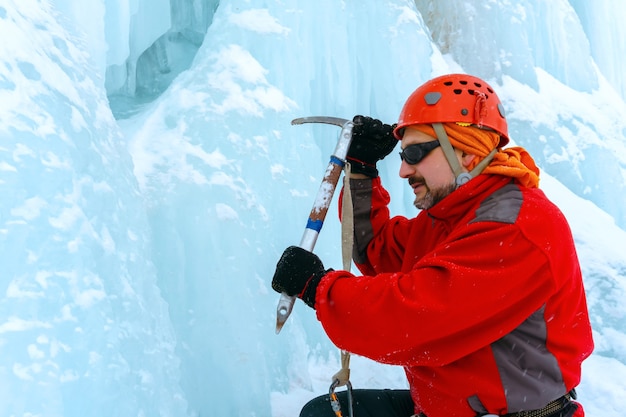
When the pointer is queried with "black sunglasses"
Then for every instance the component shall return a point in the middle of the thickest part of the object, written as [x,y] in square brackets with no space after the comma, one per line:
[412,154]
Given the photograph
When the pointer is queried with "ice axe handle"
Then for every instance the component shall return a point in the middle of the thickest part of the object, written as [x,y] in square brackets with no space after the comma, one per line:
[322,200]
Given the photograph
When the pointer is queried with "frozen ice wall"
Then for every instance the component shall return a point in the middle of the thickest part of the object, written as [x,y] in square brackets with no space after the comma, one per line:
[603,25]
[226,173]
[137,251]
[163,39]
[496,39]
[82,320]
[230,182]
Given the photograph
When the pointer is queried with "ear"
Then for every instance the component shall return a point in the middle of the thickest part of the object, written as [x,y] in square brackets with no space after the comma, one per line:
[466,159]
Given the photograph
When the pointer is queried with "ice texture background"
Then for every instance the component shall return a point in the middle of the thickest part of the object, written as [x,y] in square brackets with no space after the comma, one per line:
[150,179]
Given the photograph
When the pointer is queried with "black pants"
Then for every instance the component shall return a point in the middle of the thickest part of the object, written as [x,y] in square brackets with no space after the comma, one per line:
[383,403]
[366,403]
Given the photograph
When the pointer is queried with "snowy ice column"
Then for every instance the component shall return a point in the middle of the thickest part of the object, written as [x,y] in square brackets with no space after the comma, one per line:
[83,328]
[131,27]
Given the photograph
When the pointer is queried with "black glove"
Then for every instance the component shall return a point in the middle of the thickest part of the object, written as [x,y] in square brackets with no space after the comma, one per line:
[372,140]
[298,272]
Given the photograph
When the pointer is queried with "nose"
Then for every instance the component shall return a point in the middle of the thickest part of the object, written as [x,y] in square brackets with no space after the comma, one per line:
[406,170]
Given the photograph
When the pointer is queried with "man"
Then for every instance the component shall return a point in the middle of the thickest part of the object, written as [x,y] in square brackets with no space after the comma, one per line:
[480,297]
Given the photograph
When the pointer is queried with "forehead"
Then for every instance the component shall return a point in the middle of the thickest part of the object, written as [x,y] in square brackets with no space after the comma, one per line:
[412,135]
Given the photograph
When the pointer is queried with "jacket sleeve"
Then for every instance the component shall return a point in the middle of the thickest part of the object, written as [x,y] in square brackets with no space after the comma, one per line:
[378,240]
[469,291]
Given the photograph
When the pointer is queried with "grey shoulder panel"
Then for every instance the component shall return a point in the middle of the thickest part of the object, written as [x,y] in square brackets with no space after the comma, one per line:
[502,206]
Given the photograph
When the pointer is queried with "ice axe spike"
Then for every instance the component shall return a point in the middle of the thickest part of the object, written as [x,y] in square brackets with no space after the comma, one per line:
[322,200]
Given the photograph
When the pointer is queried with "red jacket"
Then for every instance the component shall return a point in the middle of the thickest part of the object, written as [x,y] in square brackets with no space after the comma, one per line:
[479,298]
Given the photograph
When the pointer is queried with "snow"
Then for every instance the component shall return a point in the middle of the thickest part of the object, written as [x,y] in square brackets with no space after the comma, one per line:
[258,20]
[151,178]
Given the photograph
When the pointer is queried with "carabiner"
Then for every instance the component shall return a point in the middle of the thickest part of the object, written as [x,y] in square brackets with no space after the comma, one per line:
[334,401]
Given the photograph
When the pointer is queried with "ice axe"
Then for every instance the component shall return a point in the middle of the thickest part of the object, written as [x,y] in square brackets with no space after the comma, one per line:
[322,200]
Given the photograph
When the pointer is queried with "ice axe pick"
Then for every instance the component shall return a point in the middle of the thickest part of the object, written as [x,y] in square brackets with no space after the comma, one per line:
[322,200]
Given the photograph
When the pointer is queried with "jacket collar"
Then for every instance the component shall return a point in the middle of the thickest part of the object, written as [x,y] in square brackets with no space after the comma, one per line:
[468,195]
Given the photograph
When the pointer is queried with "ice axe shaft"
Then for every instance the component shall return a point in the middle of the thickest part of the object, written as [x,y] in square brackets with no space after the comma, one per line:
[322,200]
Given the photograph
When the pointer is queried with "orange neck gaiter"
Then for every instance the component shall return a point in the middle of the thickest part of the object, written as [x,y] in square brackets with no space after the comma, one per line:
[513,162]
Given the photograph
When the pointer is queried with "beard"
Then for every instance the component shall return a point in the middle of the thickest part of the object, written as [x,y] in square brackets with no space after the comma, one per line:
[433,195]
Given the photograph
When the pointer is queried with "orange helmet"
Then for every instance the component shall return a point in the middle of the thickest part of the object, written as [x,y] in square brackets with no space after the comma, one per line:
[454,98]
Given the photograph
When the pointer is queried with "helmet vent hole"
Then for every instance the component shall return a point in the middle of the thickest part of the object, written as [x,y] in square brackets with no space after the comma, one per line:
[448,83]
[490,90]
[457,91]
[471,92]
[478,85]
[463,82]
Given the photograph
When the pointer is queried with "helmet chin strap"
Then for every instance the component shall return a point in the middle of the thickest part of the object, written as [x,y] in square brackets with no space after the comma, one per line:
[448,151]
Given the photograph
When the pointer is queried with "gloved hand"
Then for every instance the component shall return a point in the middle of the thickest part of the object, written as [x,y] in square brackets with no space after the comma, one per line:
[372,140]
[298,272]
